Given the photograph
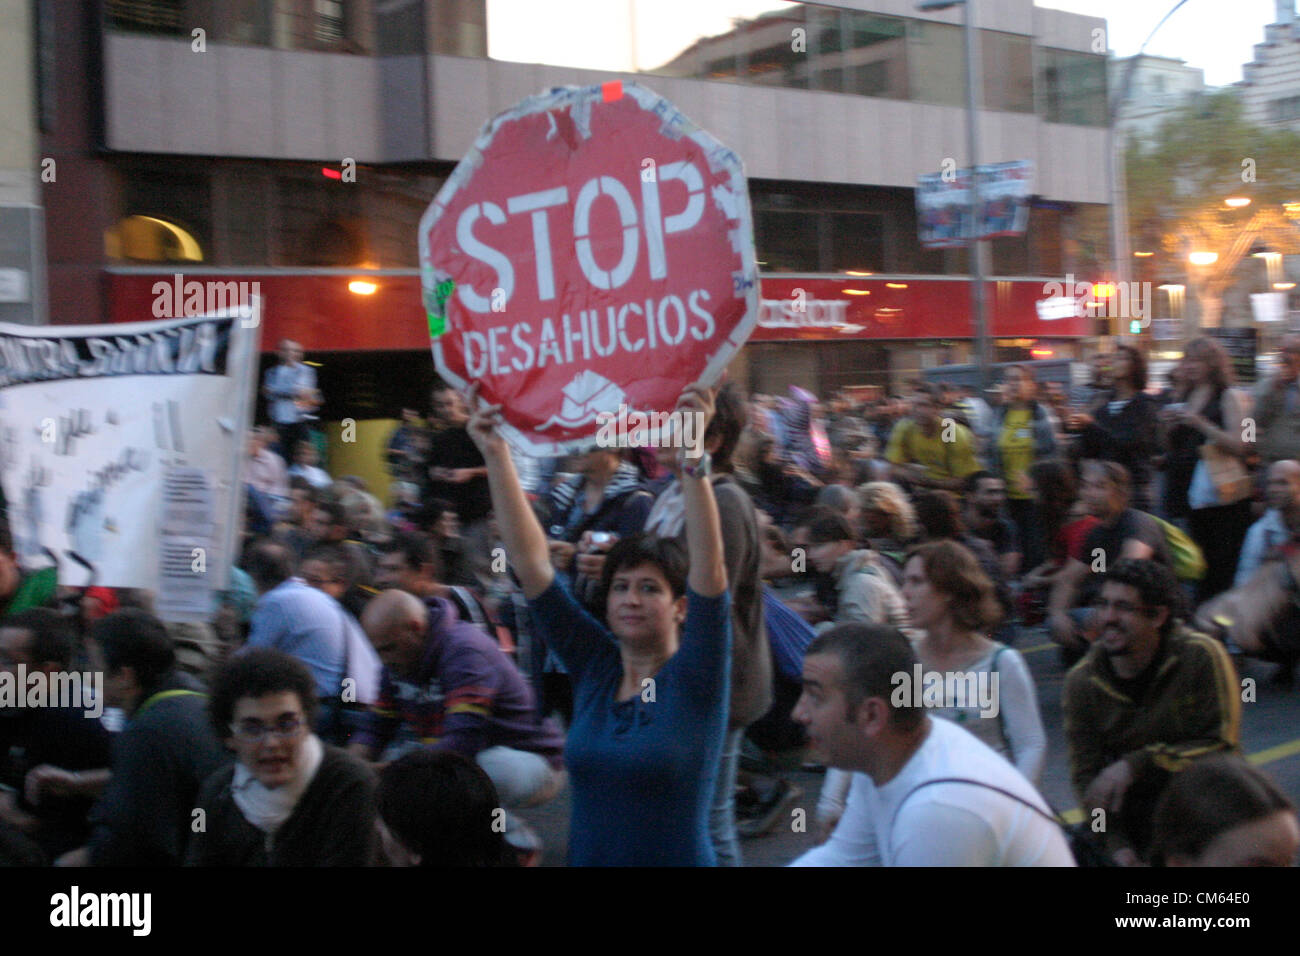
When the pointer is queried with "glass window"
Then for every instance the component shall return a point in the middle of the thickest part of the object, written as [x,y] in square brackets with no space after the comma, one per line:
[147,16]
[457,27]
[1074,87]
[1008,72]
[875,59]
[787,240]
[857,242]
[936,61]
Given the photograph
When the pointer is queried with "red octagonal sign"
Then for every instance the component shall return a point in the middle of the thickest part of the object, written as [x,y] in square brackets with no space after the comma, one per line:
[593,253]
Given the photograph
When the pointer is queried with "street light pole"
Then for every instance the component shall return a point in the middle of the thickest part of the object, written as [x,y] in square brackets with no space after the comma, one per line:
[974,245]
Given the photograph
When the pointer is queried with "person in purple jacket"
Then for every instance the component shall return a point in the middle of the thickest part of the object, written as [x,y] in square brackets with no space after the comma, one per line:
[449,686]
[651,690]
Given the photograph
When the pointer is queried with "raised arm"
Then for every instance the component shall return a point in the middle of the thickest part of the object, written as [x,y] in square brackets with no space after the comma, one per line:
[708,569]
[523,536]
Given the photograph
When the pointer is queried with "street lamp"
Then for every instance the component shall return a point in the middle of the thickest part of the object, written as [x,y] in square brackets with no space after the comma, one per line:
[973,245]
[1236,202]
[1203,258]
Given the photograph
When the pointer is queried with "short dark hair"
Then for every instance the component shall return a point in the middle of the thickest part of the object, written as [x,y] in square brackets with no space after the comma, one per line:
[664,553]
[938,512]
[442,806]
[136,639]
[975,477]
[827,525]
[256,673]
[269,563]
[332,555]
[1155,584]
[335,513]
[871,654]
[730,415]
[1212,796]
[51,634]
[415,547]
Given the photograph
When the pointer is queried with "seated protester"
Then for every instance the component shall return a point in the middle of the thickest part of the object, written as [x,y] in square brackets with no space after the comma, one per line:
[19,589]
[439,809]
[306,464]
[651,690]
[843,501]
[603,497]
[1148,699]
[332,524]
[864,591]
[904,807]
[44,751]
[889,523]
[985,497]
[160,759]
[938,514]
[307,623]
[928,451]
[289,799]
[447,685]
[265,470]
[293,528]
[1221,811]
[1063,526]
[438,519]
[410,562]
[1280,524]
[783,488]
[1121,532]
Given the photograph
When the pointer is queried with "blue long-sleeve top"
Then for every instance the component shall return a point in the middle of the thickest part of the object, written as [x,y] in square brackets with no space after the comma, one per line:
[642,770]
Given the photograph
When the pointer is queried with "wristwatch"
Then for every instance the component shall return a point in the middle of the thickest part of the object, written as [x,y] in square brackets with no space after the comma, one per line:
[702,468]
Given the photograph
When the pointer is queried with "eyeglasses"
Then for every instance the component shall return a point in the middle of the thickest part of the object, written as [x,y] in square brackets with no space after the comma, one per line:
[254,731]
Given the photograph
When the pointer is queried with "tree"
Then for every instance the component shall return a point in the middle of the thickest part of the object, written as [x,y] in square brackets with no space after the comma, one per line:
[1178,181]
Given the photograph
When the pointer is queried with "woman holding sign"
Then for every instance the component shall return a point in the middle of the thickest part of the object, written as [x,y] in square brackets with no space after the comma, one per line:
[650,690]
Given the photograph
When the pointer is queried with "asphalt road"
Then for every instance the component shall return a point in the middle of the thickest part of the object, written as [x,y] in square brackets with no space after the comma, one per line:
[1270,738]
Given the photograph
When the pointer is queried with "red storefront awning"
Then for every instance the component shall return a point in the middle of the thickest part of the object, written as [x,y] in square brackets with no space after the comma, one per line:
[318,309]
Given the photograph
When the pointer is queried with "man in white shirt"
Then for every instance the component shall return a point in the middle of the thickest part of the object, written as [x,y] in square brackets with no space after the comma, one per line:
[290,391]
[905,807]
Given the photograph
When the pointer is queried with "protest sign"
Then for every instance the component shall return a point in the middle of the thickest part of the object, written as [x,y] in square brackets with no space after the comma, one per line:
[120,450]
[593,253]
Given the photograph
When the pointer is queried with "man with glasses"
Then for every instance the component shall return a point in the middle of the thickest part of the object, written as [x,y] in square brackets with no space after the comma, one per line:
[290,799]
[1149,697]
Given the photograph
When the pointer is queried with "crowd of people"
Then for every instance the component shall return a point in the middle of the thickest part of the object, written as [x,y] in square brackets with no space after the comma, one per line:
[657,632]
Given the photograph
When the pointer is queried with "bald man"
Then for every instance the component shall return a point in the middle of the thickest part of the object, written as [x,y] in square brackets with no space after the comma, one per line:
[448,686]
[1280,524]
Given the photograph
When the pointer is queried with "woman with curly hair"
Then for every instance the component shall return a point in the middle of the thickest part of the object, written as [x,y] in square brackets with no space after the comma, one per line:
[889,521]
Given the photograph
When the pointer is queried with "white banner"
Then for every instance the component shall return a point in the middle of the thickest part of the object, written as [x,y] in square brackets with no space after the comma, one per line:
[120,452]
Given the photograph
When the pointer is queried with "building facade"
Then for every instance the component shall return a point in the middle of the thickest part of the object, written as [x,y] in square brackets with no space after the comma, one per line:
[296,143]
[1270,85]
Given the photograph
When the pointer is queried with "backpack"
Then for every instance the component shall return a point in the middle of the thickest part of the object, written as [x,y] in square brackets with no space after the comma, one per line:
[1185,555]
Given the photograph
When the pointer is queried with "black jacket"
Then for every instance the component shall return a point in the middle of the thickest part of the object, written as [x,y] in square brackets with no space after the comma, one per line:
[332,825]
[159,761]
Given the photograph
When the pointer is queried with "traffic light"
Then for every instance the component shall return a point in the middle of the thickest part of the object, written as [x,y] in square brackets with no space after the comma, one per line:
[1134,326]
